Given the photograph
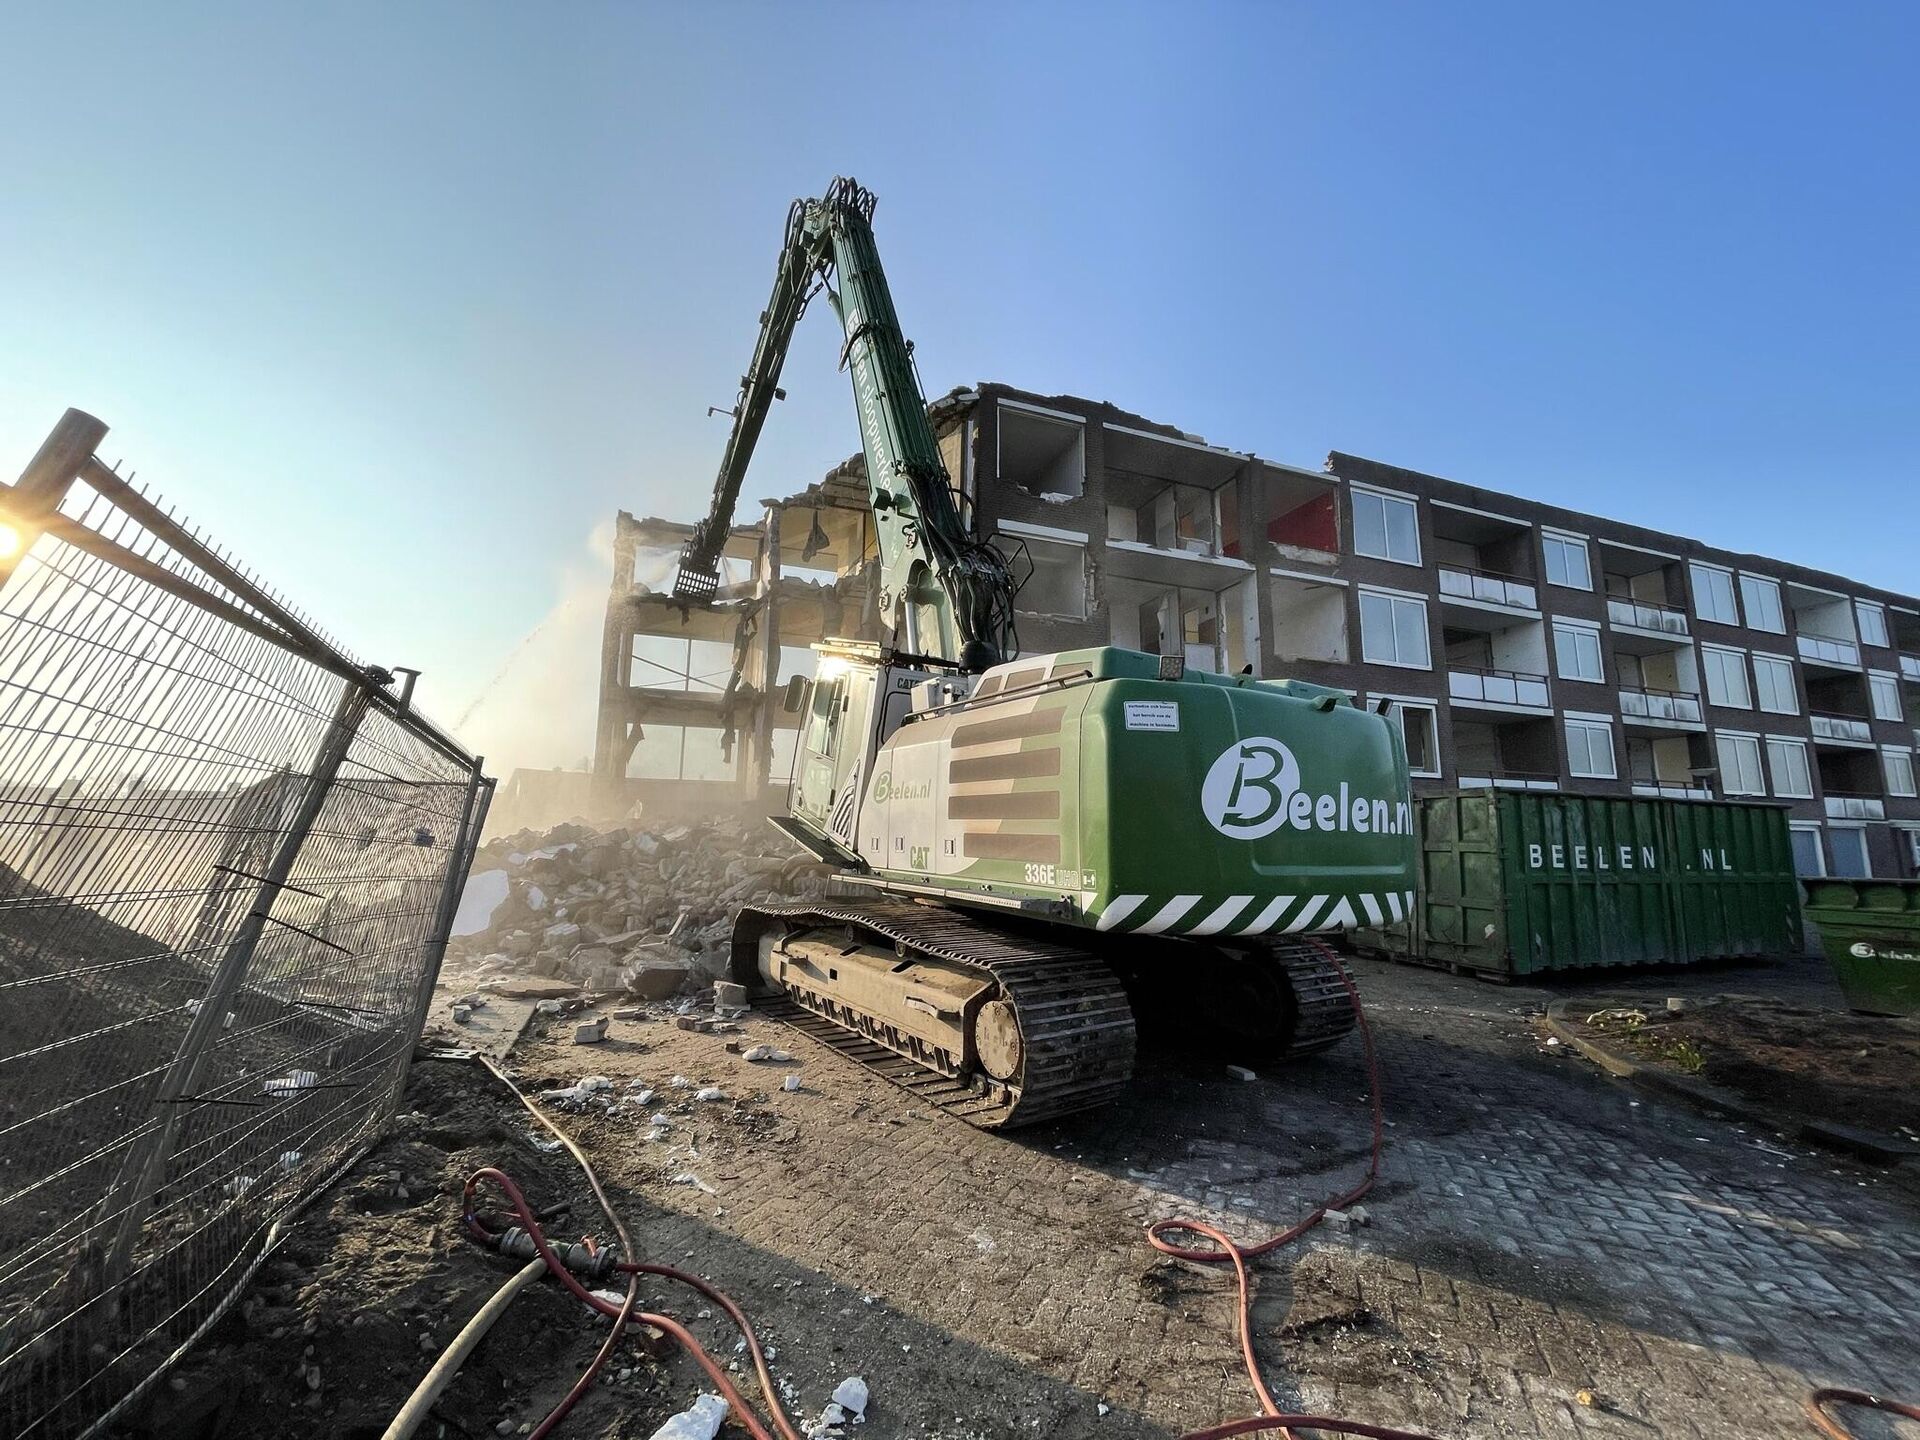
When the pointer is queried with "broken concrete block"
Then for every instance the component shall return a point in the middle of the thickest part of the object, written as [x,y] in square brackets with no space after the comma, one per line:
[659,979]
[590,1032]
[462,1014]
[727,995]
[1241,1072]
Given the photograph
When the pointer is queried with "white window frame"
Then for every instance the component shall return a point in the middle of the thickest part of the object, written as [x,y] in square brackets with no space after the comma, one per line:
[1866,853]
[1762,657]
[1589,728]
[1707,672]
[1397,707]
[1743,737]
[1697,568]
[1396,598]
[1386,498]
[1861,610]
[1809,827]
[1765,585]
[1578,630]
[1571,541]
[1889,756]
[1882,682]
[1790,743]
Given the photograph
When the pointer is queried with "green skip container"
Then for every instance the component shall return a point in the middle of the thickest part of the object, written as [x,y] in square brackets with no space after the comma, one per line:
[1524,882]
[1870,930]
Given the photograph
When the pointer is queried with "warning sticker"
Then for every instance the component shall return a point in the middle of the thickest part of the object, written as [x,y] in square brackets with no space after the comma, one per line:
[1152,714]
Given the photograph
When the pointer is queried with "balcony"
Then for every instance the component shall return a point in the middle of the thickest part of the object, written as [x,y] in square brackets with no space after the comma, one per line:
[1842,806]
[1505,690]
[1653,622]
[1825,650]
[1660,709]
[1657,791]
[1508,593]
[1841,730]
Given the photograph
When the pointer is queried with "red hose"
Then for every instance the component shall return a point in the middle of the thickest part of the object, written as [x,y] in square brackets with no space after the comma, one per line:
[1818,1401]
[619,1313]
[1225,1250]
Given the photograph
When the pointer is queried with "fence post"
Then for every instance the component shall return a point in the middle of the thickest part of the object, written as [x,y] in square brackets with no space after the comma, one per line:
[433,949]
[147,1160]
[45,482]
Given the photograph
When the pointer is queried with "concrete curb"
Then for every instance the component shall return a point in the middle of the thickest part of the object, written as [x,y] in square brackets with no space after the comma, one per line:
[1696,1094]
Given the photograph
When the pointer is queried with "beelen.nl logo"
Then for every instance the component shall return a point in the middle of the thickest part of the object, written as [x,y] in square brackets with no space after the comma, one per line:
[1254,789]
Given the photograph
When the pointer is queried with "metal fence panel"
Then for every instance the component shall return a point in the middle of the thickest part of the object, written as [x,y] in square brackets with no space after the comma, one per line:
[228,859]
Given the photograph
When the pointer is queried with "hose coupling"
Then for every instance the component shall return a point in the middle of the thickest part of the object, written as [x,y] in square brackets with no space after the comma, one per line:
[582,1259]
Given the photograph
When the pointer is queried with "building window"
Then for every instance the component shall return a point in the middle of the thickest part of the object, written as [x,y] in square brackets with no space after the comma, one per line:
[1773,683]
[1387,527]
[1713,593]
[1850,853]
[1420,724]
[1393,630]
[1873,623]
[1727,677]
[1590,750]
[1808,861]
[1567,561]
[1886,697]
[1788,760]
[1576,650]
[1899,767]
[1740,765]
[1057,581]
[1762,599]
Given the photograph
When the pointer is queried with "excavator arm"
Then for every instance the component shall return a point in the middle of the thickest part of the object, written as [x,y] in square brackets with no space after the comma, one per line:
[946,594]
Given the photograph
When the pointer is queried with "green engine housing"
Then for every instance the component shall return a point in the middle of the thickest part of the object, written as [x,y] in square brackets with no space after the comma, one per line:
[1086,787]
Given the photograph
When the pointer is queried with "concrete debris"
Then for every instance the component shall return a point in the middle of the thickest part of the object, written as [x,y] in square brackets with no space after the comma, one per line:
[729,995]
[1241,1072]
[699,1421]
[646,913]
[680,1082]
[1342,1221]
[710,1092]
[687,1177]
[590,1032]
[771,1053]
[790,1084]
[462,1014]
[849,1403]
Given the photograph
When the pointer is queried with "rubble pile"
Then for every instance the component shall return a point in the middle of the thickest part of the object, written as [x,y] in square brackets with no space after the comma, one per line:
[637,911]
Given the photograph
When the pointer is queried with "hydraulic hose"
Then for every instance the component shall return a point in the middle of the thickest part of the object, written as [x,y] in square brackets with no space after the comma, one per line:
[455,1355]
[1818,1401]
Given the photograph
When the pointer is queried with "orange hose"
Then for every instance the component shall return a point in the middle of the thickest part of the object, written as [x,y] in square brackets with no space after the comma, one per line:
[1818,1401]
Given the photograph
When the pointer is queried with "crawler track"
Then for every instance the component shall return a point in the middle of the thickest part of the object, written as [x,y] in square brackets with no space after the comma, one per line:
[1075,1022]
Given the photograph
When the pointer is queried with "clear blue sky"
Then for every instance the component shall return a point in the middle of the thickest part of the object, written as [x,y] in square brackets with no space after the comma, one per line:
[403,301]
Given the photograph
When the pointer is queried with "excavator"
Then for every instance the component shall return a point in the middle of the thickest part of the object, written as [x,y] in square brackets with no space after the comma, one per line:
[1043,854]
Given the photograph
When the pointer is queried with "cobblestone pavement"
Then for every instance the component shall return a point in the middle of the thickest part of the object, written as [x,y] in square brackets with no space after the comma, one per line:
[1537,1233]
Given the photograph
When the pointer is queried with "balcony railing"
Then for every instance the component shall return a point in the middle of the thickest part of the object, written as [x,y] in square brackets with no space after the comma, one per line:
[1641,616]
[1660,790]
[1464,583]
[1910,667]
[1503,779]
[1827,650]
[1842,805]
[1841,727]
[1498,687]
[1641,703]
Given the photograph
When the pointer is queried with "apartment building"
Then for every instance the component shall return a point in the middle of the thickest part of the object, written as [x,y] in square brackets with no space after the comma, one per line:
[1518,644]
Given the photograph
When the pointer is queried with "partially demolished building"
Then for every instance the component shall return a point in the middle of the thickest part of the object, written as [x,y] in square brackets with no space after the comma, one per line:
[1521,645]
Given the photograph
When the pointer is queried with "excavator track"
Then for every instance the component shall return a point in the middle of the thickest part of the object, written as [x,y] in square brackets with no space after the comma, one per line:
[1074,1020]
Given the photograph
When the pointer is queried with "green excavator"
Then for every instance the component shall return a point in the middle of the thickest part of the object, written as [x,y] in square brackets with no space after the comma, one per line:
[1046,851]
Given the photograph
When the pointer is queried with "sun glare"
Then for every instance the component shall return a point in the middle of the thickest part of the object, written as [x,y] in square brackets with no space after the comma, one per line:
[9,541]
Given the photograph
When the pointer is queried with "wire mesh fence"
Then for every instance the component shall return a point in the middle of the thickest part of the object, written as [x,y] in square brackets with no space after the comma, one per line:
[228,860]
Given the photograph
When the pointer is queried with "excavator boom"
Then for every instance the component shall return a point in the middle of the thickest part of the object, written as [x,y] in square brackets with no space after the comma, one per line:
[945,593]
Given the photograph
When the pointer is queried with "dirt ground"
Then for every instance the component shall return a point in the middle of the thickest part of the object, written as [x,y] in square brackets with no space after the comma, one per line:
[1809,1062]
[1538,1233]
